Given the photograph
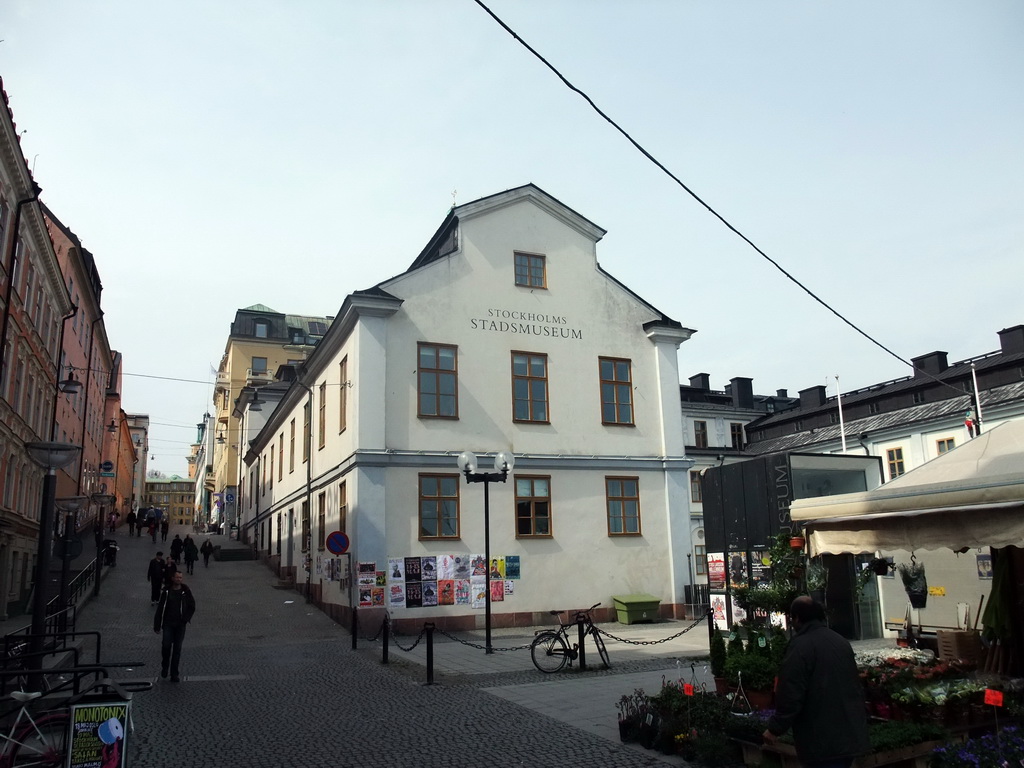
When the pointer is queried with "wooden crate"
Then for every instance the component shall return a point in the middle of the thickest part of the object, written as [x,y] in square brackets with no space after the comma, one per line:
[960,644]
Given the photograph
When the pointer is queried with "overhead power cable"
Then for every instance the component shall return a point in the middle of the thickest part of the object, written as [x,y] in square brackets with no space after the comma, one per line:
[697,197]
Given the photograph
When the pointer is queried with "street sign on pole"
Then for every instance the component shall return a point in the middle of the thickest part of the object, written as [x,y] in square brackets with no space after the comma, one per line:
[337,543]
[107,466]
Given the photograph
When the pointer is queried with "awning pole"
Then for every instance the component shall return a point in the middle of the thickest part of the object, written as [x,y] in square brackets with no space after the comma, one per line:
[839,402]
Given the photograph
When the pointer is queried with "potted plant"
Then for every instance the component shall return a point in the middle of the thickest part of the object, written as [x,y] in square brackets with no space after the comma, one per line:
[631,710]
[914,582]
[716,660]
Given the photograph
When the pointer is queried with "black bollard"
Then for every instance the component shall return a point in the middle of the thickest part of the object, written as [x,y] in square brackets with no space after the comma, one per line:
[430,652]
[384,640]
[355,627]
[582,646]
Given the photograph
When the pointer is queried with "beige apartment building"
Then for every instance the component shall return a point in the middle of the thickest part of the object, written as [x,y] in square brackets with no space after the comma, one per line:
[173,496]
[260,341]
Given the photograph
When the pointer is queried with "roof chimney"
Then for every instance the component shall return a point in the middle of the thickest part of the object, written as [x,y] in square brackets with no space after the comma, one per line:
[1011,340]
[742,390]
[812,397]
[701,381]
[782,393]
[933,363]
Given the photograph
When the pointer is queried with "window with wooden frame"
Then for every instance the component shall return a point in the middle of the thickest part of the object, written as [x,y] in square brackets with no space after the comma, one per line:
[700,434]
[736,433]
[946,444]
[291,446]
[616,391]
[439,506]
[696,492]
[306,428]
[700,560]
[343,507]
[322,417]
[321,520]
[437,381]
[530,387]
[343,396]
[280,456]
[894,458]
[533,506]
[305,527]
[531,271]
[270,467]
[623,499]
[280,526]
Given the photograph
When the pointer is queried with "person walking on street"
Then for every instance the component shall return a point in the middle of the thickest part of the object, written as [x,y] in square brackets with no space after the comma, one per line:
[191,553]
[174,612]
[165,525]
[155,577]
[207,550]
[819,693]
[152,528]
[170,568]
[176,546]
[130,519]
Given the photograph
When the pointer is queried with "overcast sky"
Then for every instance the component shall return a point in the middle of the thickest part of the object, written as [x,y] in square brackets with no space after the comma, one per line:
[213,155]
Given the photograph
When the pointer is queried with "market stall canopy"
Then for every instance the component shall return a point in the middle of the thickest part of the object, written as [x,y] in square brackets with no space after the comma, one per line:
[972,496]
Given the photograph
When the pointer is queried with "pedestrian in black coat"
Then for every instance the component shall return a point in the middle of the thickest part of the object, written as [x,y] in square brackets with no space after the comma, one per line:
[155,577]
[176,546]
[175,611]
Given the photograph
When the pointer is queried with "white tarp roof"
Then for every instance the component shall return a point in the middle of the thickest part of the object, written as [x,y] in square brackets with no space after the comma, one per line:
[972,496]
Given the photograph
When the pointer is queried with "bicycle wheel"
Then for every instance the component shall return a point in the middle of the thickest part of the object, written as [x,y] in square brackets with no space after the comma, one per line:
[44,744]
[549,652]
[601,650]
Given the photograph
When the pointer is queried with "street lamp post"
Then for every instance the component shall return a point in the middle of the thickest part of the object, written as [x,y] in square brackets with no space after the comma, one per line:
[503,462]
[51,456]
[102,499]
[71,506]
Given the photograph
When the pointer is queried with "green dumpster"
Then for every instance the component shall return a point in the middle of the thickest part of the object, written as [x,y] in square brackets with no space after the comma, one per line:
[631,609]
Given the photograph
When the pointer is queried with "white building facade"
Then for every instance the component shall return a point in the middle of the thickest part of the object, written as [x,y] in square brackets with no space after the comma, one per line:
[504,335]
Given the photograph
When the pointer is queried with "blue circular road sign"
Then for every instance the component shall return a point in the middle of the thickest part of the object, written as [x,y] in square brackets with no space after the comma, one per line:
[337,543]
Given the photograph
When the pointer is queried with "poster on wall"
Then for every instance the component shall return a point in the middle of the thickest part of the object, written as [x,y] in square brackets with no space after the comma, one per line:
[479,565]
[716,572]
[429,593]
[463,568]
[365,596]
[737,614]
[377,596]
[413,569]
[760,568]
[718,611]
[396,594]
[367,574]
[462,592]
[445,567]
[446,592]
[413,594]
[478,589]
[396,569]
[984,566]
[98,733]
[497,590]
[428,568]
[381,579]
[511,566]
[497,569]
[737,569]
[510,587]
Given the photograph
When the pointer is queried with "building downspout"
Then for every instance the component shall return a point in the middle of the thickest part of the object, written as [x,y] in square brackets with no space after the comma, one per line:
[85,403]
[56,387]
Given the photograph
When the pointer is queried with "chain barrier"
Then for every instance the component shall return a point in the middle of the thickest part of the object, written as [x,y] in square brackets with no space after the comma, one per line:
[420,636]
[483,647]
[380,631]
[696,622]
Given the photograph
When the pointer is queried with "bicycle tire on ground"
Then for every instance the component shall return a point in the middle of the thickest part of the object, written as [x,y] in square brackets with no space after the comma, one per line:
[44,745]
[601,650]
[549,652]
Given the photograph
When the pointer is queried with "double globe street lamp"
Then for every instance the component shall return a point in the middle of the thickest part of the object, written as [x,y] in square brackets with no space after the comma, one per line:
[503,463]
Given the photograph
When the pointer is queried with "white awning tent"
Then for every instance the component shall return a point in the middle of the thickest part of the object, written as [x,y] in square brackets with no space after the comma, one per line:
[972,496]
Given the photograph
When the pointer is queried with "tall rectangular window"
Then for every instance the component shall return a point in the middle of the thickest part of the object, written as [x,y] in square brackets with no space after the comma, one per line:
[259,365]
[437,381]
[260,327]
[343,507]
[439,506]
[321,519]
[533,506]
[696,493]
[945,445]
[322,417]
[736,432]
[530,270]
[305,527]
[616,391]
[306,429]
[291,446]
[700,558]
[529,387]
[271,467]
[700,434]
[343,397]
[280,456]
[623,499]
[894,458]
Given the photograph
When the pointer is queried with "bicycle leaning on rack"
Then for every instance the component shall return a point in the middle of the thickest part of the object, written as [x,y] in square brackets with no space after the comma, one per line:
[551,648]
[41,728]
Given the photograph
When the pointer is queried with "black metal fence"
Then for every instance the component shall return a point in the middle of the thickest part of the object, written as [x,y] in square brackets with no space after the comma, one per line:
[697,598]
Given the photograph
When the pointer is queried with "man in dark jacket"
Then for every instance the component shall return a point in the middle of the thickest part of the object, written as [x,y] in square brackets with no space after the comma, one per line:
[155,577]
[172,615]
[819,693]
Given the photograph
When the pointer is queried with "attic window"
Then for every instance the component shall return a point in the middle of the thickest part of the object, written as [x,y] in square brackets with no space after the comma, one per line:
[531,270]
[260,329]
[317,328]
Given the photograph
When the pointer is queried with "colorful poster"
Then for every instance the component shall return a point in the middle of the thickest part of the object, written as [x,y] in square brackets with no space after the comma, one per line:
[497,569]
[479,565]
[429,593]
[396,569]
[367,574]
[396,595]
[984,566]
[478,590]
[716,571]
[497,590]
[413,594]
[98,734]
[413,569]
[377,597]
[760,568]
[463,568]
[365,596]
[737,569]
[428,568]
[718,612]
[381,579]
[512,566]
[462,592]
[509,587]
[446,592]
[445,567]
[738,614]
